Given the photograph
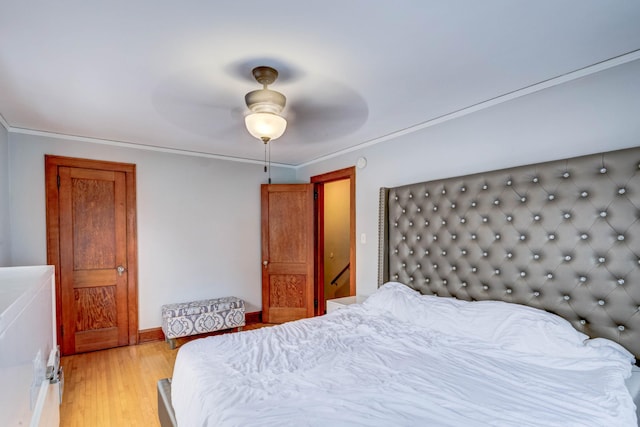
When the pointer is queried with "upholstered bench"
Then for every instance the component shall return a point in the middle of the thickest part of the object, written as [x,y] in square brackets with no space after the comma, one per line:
[198,317]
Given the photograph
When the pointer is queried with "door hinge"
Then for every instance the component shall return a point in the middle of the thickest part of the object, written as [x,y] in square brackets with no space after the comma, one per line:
[315,195]
[58,180]
[315,303]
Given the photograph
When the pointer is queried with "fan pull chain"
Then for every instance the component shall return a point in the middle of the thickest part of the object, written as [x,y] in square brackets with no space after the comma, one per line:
[267,162]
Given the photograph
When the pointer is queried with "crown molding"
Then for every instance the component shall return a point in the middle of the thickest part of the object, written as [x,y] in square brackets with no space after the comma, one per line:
[555,81]
[145,147]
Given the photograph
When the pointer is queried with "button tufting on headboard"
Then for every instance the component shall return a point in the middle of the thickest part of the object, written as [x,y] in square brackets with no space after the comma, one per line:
[563,236]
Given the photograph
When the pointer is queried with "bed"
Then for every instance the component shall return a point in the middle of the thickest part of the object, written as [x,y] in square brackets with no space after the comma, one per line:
[507,298]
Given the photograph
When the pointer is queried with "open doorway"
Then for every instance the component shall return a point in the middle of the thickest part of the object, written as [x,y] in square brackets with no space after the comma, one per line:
[336,239]
[335,215]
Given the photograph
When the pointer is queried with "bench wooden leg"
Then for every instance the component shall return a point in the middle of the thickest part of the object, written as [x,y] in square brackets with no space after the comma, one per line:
[172,342]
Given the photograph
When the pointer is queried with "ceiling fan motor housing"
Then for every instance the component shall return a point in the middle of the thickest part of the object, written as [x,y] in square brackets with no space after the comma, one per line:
[265,101]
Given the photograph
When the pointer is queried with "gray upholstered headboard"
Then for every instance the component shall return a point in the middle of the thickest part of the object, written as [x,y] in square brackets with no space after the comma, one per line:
[563,236]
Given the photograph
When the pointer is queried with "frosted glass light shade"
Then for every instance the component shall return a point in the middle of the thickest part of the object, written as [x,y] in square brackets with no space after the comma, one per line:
[265,126]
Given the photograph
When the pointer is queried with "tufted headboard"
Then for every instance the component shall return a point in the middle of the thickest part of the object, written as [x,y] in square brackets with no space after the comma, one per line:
[563,236]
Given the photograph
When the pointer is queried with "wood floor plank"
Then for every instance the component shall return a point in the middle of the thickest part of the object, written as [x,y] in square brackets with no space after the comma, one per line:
[117,387]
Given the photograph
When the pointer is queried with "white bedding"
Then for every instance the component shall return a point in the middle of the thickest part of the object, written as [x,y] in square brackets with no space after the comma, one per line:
[390,362]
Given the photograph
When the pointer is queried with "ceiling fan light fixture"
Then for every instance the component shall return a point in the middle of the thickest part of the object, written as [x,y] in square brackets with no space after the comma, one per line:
[264,121]
[265,126]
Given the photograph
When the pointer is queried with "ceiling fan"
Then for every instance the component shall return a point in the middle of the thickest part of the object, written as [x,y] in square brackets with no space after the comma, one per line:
[209,104]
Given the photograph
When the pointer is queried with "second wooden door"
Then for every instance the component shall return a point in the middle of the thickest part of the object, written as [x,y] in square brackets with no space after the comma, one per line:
[287,252]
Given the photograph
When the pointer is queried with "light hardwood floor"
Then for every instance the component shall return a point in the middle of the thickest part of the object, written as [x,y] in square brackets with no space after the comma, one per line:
[117,387]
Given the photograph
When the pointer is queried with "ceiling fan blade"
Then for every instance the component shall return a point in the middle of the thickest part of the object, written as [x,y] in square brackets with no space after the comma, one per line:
[334,115]
[193,103]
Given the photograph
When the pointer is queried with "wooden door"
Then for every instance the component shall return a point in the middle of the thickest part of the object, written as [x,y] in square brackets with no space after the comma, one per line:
[287,252]
[91,230]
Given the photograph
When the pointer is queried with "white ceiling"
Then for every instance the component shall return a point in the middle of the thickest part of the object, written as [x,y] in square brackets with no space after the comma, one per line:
[173,74]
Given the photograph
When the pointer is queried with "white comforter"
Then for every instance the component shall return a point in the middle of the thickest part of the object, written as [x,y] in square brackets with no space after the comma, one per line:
[371,365]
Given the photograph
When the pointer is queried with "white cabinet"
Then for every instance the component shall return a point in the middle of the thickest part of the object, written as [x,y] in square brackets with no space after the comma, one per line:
[334,304]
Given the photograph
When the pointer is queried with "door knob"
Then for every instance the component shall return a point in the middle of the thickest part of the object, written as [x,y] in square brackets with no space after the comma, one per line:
[265,262]
[120,269]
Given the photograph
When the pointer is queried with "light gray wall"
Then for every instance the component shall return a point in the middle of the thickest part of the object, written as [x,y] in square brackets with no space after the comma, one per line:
[596,113]
[5,248]
[198,220]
